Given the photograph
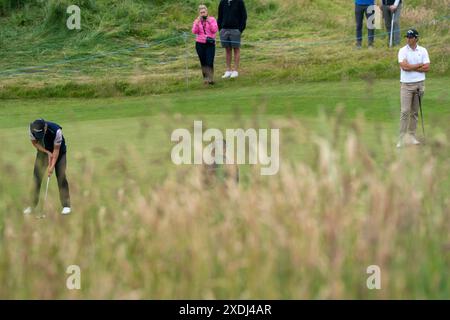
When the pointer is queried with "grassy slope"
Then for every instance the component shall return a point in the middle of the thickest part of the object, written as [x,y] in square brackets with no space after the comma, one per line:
[287,41]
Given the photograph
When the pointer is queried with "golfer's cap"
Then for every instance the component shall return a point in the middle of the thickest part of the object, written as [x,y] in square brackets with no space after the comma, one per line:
[37,128]
[412,33]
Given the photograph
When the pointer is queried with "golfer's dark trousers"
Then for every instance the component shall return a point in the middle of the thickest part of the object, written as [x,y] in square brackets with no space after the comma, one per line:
[387,14]
[360,12]
[206,53]
[40,170]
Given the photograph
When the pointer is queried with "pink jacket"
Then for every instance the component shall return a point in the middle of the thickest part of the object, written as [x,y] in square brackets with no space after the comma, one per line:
[209,31]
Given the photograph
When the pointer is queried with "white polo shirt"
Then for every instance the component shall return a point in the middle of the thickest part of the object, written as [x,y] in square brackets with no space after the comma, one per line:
[419,55]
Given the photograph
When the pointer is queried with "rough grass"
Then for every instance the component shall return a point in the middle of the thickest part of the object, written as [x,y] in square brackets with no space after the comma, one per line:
[344,199]
[285,41]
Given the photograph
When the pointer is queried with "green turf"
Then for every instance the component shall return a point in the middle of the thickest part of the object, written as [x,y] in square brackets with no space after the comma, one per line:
[108,124]
[378,100]
[105,126]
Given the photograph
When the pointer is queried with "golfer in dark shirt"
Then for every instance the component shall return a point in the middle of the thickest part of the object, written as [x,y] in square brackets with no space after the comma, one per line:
[48,139]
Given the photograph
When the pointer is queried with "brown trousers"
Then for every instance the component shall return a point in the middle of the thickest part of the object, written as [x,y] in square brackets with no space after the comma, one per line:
[410,106]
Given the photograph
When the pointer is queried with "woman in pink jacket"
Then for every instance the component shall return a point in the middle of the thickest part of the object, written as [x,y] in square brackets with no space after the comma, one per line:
[205,28]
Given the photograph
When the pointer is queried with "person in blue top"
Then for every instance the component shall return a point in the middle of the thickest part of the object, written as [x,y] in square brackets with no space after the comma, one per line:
[364,8]
[48,139]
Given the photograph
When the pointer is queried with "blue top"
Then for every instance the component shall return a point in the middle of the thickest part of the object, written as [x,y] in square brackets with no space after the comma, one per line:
[365,2]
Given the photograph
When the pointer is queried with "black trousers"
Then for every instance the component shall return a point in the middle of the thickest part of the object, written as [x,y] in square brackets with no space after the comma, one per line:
[40,169]
[360,12]
[206,53]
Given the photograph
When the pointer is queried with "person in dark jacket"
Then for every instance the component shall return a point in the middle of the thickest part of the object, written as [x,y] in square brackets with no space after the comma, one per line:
[232,21]
[48,139]
[391,12]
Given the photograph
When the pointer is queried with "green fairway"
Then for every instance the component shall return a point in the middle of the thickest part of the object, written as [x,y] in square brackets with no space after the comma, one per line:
[104,126]
[377,100]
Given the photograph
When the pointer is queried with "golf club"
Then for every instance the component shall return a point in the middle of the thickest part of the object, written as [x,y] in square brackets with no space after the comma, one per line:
[42,216]
[421,112]
[392,30]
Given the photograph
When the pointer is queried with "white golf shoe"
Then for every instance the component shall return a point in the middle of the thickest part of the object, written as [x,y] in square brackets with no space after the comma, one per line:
[414,141]
[234,74]
[227,75]
[28,210]
[66,210]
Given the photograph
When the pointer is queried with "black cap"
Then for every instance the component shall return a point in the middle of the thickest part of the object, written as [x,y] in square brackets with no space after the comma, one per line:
[412,33]
[37,128]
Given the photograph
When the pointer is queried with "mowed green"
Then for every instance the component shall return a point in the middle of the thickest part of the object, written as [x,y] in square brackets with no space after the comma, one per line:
[100,128]
[120,172]
[145,123]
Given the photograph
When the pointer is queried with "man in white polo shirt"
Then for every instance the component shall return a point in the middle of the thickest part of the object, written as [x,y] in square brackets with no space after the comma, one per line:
[414,63]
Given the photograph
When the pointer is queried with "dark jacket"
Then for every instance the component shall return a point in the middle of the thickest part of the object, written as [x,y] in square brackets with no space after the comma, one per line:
[390,2]
[50,135]
[232,15]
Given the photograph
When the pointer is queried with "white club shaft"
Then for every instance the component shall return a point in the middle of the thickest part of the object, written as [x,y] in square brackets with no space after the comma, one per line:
[392,30]
[46,189]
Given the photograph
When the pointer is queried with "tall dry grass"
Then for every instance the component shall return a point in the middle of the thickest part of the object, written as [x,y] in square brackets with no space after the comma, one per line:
[309,232]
